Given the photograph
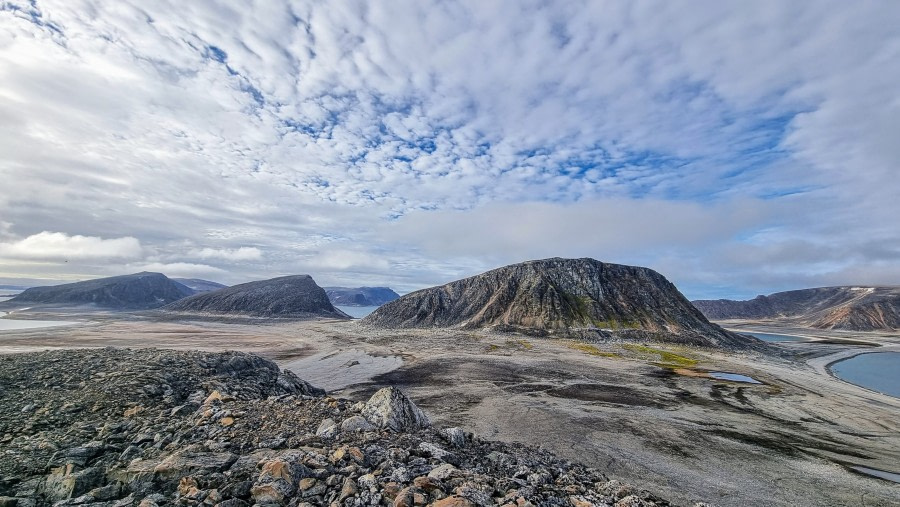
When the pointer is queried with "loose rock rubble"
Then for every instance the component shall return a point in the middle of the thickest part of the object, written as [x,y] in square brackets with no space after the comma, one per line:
[120,427]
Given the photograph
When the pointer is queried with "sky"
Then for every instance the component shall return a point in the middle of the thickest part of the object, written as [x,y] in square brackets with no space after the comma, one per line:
[739,148]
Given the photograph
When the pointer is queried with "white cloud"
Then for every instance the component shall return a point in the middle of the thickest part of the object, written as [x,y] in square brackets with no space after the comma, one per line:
[243,253]
[57,246]
[179,269]
[339,260]
[685,129]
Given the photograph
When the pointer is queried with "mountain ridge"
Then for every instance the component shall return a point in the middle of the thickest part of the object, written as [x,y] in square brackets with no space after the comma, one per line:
[293,296]
[199,284]
[360,296]
[560,296]
[852,308]
[137,291]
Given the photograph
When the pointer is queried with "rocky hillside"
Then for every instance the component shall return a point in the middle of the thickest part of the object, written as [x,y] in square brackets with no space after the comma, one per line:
[295,296]
[129,428]
[360,296]
[560,296]
[849,308]
[128,292]
[199,285]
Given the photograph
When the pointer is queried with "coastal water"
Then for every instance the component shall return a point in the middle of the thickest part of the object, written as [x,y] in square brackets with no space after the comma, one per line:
[15,324]
[878,371]
[357,312]
[770,337]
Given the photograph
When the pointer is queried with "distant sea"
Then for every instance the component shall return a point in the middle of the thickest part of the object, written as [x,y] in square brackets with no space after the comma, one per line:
[357,312]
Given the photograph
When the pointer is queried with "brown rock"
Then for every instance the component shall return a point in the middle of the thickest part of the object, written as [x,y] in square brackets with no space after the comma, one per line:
[391,490]
[453,501]
[580,502]
[348,490]
[187,486]
[426,483]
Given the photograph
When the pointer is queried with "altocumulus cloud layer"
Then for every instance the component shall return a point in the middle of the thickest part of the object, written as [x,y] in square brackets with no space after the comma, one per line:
[737,147]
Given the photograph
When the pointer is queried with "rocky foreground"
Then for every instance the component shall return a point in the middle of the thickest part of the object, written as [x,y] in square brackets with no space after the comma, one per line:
[121,427]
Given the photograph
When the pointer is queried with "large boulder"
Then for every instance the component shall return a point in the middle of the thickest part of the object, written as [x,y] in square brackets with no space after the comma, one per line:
[390,408]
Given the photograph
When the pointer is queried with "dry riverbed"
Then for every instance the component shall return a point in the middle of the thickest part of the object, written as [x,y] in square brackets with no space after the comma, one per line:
[645,413]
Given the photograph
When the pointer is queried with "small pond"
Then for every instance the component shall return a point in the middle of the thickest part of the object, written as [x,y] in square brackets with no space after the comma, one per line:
[733,377]
[771,337]
[881,474]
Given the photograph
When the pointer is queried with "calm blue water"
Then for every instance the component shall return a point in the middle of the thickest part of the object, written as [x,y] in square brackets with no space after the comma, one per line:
[357,312]
[769,337]
[734,377]
[879,371]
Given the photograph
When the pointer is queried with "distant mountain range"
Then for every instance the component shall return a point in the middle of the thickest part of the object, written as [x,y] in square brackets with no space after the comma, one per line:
[849,308]
[139,291]
[295,296]
[198,285]
[360,296]
[12,287]
[561,296]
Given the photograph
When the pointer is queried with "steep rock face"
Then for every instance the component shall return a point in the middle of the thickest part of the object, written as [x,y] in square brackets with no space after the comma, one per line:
[559,296]
[295,296]
[128,292]
[849,308]
[198,285]
[360,296]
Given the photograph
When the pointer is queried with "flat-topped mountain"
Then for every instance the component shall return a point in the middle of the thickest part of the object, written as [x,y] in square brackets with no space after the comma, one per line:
[199,285]
[850,308]
[360,296]
[296,296]
[561,296]
[139,291]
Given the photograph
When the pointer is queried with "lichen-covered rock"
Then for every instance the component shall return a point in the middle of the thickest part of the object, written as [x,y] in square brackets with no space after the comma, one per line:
[356,423]
[390,408]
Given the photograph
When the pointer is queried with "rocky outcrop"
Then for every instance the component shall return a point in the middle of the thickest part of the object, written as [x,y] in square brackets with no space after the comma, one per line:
[390,408]
[198,285]
[285,297]
[360,296]
[849,308]
[561,296]
[139,291]
[144,428]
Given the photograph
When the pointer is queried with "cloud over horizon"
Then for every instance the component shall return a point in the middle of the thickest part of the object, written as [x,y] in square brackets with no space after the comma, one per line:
[736,148]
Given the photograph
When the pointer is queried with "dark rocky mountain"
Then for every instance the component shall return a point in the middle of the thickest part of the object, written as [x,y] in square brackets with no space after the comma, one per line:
[127,428]
[198,285]
[360,296]
[296,296]
[139,291]
[561,296]
[849,308]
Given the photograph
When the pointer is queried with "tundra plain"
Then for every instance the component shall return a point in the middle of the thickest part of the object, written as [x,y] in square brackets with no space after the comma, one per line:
[645,413]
